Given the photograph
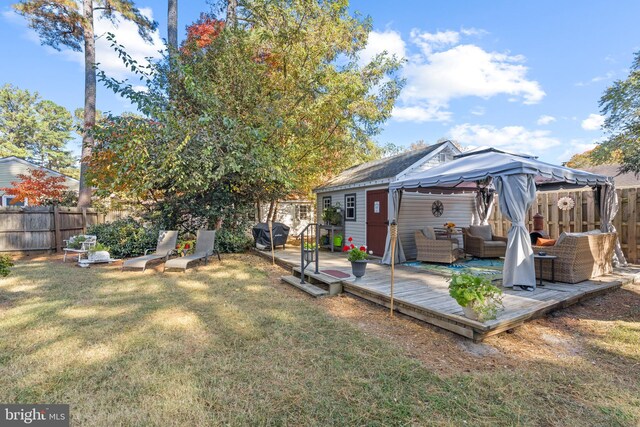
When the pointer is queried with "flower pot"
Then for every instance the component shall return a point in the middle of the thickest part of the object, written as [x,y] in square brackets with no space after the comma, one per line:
[308,254]
[358,267]
[470,313]
[98,256]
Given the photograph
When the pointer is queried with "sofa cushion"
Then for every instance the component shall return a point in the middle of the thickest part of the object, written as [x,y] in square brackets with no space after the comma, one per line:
[482,231]
[495,243]
[429,233]
[584,233]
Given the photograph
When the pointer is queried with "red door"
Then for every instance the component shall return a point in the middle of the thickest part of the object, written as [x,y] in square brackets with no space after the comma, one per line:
[377,220]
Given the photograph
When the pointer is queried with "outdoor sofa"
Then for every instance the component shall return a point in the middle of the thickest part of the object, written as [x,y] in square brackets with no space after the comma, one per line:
[581,256]
[480,242]
[431,249]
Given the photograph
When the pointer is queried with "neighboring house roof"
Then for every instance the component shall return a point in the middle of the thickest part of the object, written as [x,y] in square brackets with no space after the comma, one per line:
[10,159]
[380,171]
[621,179]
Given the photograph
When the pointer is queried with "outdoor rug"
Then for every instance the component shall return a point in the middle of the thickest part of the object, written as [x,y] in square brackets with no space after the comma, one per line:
[477,266]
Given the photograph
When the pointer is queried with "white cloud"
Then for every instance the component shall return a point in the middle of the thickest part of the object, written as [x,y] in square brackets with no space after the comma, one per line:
[513,138]
[577,146]
[126,33]
[445,68]
[378,42]
[545,120]
[607,76]
[420,114]
[477,111]
[593,122]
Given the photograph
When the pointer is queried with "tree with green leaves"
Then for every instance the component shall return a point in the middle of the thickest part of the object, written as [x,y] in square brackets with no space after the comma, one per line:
[621,106]
[35,129]
[70,24]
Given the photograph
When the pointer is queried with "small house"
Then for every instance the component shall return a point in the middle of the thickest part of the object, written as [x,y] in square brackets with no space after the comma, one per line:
[361,194]
[11,167]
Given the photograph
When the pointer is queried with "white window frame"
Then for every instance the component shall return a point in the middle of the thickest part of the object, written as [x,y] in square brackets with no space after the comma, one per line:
[6,199]
[442,157]
[348,206]
[324,202]
[306,212]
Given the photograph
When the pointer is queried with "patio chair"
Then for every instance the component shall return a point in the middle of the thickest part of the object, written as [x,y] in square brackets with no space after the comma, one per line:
[480,242]
[166,246]
[205,247]
[430,249]
[88,242]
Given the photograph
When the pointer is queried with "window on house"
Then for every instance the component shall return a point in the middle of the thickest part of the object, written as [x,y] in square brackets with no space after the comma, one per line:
[350,207]
[303,212]
[326,202]
[442,157]
[6,201]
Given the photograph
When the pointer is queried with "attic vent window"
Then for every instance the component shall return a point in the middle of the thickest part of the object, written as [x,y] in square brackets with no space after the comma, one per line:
[442,157]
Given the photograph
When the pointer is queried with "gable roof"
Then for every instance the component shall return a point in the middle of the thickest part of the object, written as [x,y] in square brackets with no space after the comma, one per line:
[380,170]
[628,179]
[33,165]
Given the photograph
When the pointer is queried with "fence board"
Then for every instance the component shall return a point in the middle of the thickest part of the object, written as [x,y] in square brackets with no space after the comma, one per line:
[583,217]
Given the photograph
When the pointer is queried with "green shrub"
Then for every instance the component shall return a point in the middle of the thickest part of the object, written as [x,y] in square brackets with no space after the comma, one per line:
[125,237]
[228,241]
[5,265]
[476,292]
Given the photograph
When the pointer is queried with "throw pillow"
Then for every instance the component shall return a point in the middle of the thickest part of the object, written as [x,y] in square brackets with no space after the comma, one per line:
[545,242]
[482,231]
[429,233]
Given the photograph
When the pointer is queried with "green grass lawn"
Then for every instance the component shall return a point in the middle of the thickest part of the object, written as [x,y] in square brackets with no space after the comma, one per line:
[225,345]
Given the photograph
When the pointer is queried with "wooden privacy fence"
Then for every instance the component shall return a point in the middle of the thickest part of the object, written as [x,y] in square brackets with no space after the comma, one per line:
[43,228]
[584,216]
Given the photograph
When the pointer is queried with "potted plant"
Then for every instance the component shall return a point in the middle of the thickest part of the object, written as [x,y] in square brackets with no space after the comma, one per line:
[480,300]
[337,240]
[358,257]
[76,242]
[309,251]
[332,215]
[98,253]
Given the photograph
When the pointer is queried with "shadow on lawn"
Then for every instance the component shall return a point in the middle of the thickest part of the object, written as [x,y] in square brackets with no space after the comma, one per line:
[220,345]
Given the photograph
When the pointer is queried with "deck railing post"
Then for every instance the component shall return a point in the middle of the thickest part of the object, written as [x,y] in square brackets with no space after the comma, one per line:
[302,257]
[317,229]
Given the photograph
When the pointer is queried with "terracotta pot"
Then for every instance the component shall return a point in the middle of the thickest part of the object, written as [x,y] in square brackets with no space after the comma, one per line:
[358,268]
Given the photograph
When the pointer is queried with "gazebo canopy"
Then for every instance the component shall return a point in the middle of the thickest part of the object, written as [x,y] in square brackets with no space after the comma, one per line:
[516,179]
[485,164]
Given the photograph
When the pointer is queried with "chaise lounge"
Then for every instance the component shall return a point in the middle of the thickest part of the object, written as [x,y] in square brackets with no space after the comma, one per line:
[205,247]
[166,246]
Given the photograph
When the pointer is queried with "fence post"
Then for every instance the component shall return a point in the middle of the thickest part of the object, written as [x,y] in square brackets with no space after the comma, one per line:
[632,225]
[84,220]
[56,227]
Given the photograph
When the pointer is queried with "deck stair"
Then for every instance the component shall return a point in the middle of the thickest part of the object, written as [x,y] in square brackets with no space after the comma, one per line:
[313,290]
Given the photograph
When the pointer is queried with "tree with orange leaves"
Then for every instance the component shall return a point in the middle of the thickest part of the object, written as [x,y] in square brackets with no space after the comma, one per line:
[37,187]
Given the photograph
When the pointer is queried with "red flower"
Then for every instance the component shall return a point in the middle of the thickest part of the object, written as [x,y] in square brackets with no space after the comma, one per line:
[350,239]
[363,249]
[187,246]
[353,246]
[345,248]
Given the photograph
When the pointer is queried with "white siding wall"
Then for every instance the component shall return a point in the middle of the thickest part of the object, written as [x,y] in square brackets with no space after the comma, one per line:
[356,229]
[288,214]
[415,214]
[10,168]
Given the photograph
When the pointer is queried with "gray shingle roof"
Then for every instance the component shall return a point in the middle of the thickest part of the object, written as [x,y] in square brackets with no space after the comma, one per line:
[620,179]
[380,169]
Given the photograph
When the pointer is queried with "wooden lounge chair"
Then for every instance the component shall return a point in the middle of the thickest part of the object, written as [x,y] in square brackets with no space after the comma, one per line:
[205,247]
[166,246]
[88,242]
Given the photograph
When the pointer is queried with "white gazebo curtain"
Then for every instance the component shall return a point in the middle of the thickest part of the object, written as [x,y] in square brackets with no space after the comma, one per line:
[516,193]
[395,198]
[609,206]
[483,204]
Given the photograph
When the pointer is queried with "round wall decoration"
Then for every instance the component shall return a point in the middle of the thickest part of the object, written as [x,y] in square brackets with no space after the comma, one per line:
[437,208]
[566,203]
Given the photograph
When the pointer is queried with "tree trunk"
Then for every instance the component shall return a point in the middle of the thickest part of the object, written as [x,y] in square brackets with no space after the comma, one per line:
[271,205]
[258,212]
[232,19]
[172,25]
[84,198]
[275,211]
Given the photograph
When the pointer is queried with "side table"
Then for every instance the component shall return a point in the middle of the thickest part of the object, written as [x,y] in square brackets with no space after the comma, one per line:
[540,259]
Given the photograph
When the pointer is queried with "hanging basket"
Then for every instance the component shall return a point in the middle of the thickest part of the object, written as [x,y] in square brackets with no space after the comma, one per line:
[566,203]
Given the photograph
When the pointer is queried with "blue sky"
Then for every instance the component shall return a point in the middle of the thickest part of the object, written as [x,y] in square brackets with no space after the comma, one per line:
[524,76]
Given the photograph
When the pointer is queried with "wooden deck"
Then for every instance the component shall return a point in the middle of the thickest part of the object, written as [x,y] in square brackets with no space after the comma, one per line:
[425,295]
